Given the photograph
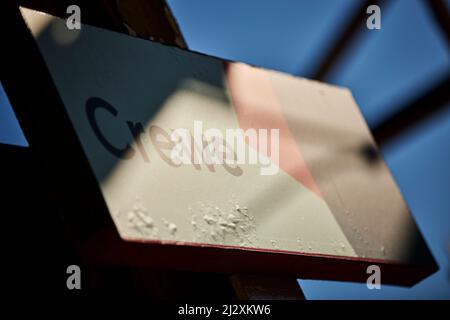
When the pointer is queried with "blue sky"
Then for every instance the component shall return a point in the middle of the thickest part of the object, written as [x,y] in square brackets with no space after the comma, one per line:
[383,68]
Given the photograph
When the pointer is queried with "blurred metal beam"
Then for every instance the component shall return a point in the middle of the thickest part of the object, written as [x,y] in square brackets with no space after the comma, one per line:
[412,113]
[441,15]
[418,110]
[435,99]
[354,24]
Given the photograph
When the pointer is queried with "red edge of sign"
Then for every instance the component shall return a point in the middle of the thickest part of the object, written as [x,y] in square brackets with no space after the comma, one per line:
[107,247]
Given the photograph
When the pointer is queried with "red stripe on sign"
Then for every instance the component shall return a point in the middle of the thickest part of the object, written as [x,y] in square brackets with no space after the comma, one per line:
[256,106]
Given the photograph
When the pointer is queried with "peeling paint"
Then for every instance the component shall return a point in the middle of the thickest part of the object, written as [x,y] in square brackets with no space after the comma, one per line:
[140,220]
[232,226]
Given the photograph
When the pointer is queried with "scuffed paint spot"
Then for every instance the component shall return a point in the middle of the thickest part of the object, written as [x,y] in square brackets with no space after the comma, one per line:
[171,227]
[300,245]
[274,244]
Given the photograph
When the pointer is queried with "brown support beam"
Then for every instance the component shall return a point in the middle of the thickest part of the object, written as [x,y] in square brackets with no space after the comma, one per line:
[146,19]
[266,287]
[150,19]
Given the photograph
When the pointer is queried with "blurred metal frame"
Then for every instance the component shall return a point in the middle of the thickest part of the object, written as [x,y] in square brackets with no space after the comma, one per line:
[433,100]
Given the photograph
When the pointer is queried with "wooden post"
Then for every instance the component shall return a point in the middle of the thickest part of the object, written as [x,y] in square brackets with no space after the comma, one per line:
[266,287]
